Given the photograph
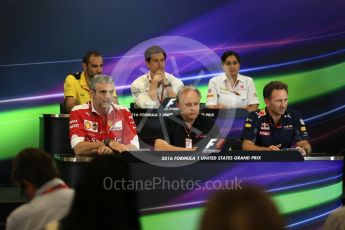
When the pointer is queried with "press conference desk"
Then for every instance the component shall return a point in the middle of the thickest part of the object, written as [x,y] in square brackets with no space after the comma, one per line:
[54,128]
[304,189]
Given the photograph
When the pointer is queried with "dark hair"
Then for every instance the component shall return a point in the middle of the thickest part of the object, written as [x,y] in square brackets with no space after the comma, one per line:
[233,209]
[97,204]
[228,53]
[33,165]
[274,85]
[153,50]
[87,56]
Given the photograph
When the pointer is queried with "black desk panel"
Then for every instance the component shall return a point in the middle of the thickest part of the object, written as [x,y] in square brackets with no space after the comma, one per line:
[305,190]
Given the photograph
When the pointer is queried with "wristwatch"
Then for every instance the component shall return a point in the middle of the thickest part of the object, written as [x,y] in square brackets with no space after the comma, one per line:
[106,142]
[169,84]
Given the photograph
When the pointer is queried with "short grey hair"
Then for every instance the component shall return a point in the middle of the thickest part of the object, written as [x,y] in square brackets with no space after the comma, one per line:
[100,79]
[185,89]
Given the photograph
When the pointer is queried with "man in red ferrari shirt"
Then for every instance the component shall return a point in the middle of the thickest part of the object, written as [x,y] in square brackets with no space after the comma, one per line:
[101,126]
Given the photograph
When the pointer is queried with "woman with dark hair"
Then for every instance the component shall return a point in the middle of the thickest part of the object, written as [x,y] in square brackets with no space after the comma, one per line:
[102,198]
[231,89]
[242,209]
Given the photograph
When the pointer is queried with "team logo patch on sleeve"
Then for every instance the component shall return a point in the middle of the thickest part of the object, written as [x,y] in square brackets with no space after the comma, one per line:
[209,93]
[247,125]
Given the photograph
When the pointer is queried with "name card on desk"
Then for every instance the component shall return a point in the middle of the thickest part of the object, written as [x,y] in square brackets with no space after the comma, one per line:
[251,156]
[177,158]
[152,113]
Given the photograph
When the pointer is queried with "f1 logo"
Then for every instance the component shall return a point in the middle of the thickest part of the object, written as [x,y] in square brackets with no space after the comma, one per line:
[211,143]
[171,102]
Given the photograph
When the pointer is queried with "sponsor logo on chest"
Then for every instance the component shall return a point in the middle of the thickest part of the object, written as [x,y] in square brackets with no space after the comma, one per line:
[116,126]
[288,127]
[90,126]
[264,133]
[265,126]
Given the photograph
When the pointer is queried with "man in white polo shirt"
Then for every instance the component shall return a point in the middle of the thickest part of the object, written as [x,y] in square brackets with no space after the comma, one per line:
[149,90]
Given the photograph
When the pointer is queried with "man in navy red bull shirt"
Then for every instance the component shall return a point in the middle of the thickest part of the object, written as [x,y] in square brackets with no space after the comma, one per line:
[275,127]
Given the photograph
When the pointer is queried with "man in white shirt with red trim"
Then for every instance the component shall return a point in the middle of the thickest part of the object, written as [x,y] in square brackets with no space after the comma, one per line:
[101,126]
[149,90]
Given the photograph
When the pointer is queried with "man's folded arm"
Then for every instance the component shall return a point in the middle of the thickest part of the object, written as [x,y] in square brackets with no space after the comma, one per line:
[87,148]
[248,145]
